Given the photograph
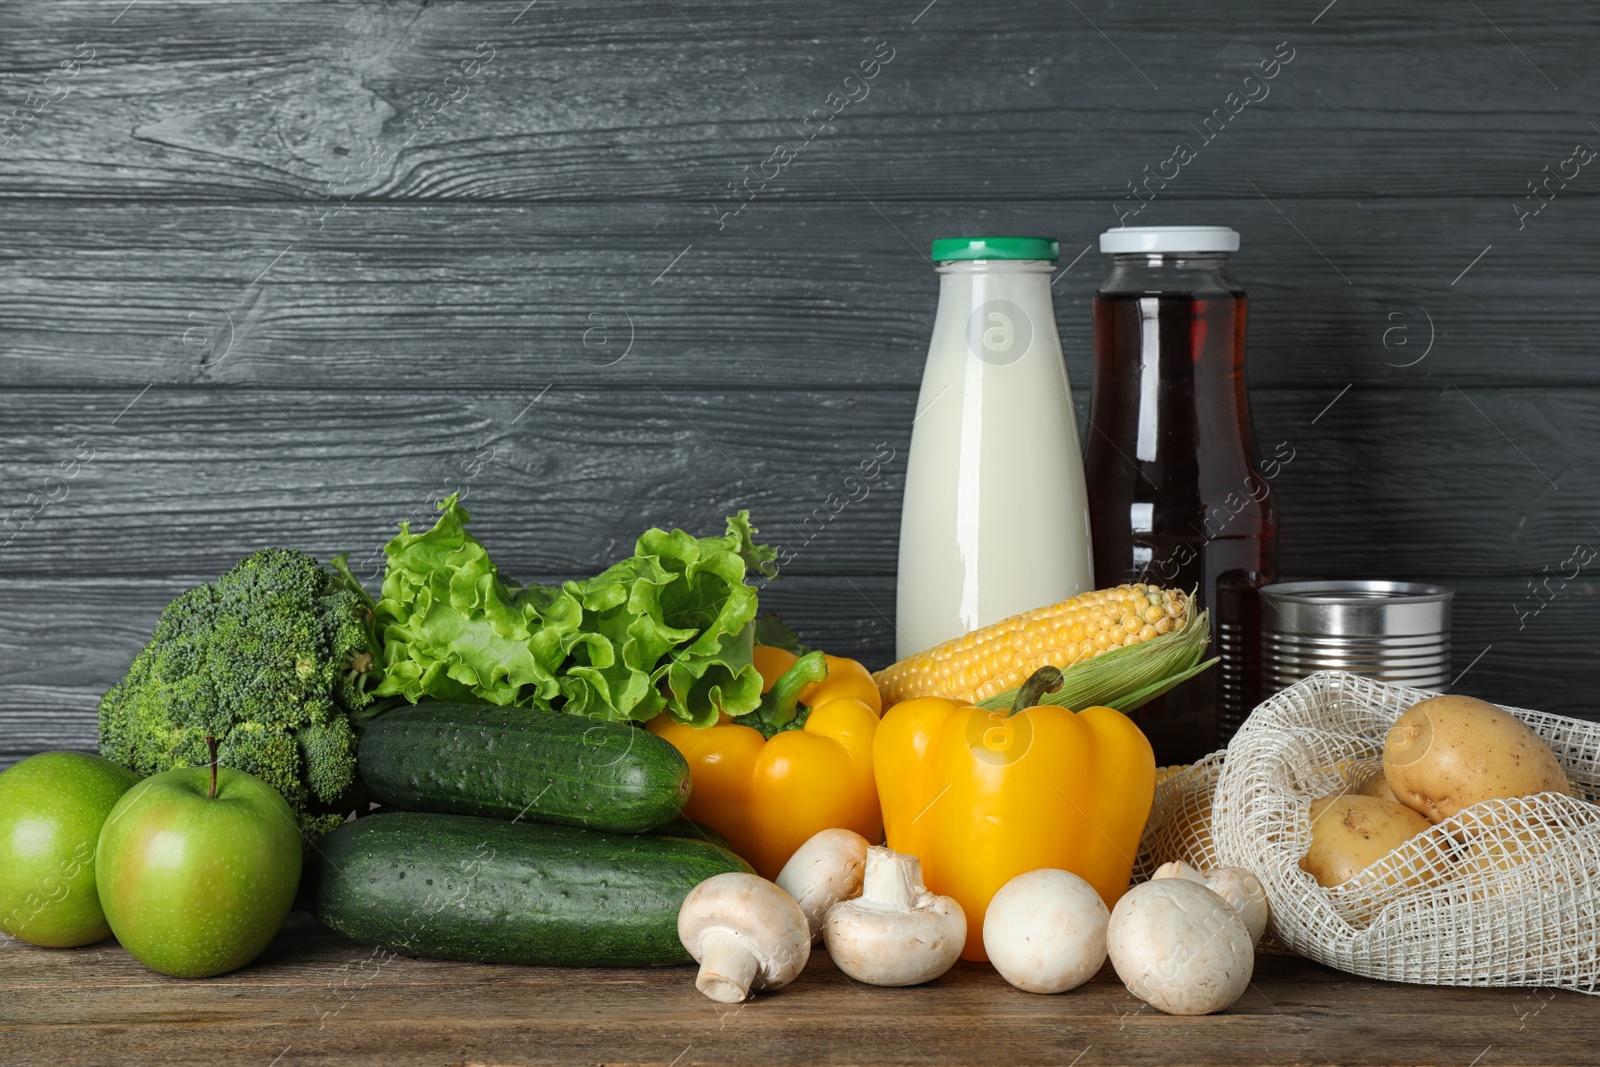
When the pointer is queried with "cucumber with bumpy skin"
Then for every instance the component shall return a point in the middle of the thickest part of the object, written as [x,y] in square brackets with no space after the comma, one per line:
[459,887]
[515,763]
[693,831]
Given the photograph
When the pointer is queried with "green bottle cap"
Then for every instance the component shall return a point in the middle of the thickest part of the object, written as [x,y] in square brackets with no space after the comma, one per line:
[946,249]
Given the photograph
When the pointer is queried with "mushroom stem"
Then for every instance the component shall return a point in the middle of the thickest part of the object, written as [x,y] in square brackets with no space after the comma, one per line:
[728,965]
[746,933]
[892,881]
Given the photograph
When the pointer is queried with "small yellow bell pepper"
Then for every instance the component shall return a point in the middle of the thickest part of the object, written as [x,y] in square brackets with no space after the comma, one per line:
[982,796]
[800,763]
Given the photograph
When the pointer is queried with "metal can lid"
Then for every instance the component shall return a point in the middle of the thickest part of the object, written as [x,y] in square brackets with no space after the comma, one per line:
[1357,608]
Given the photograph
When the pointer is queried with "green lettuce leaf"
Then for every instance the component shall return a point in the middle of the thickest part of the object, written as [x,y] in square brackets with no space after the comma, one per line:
[668,629]
[772,631]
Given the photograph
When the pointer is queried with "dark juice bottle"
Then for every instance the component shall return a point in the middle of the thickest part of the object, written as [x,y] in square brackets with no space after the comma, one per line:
[1175,494]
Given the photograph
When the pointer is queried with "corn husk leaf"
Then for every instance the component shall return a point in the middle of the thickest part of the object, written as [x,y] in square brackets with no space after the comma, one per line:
[1129,677]
[1140,698]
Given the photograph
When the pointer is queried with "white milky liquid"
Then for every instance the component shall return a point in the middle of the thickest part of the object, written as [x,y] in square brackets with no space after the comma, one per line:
[995,518]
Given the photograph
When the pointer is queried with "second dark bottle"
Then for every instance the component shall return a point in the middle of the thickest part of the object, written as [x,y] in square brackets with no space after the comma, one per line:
[1176,494]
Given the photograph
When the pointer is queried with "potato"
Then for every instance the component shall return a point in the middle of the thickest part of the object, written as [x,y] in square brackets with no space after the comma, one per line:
[1521,835]
[1507,850]
[1450,752]
[1378,786]
[1350,832]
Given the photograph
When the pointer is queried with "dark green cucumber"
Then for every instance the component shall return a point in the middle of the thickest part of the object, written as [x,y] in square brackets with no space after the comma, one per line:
[458,887]
[692,831]
[513,763]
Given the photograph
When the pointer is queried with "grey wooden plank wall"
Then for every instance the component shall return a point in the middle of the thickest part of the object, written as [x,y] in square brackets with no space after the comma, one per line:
[285,272]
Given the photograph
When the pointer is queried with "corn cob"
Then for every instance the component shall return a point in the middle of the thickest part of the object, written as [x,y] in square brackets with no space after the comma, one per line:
[1000,657]
[1171,771]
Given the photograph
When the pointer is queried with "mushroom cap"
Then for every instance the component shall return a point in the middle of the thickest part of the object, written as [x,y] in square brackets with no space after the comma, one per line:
[825,870]
[758,912]
[1179,947]
[896,933]
[1178,869]
[895,948]
[1241,889]
[1245,893]
[1045,931]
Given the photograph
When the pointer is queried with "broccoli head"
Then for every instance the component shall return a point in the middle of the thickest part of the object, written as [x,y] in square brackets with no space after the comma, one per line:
[272,659]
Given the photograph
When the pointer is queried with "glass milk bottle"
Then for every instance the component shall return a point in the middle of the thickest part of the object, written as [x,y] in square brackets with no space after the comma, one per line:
[995,520]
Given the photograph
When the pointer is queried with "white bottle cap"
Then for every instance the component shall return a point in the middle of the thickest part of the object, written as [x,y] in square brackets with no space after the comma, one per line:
[1170,239]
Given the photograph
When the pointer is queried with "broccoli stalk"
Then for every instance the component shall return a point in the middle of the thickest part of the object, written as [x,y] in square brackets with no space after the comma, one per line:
[273,659]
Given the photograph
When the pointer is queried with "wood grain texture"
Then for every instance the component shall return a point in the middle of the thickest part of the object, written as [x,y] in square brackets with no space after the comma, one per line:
[315,998]
[340,317]
[562,482]
[639,99]
[1443,482]
[480,296]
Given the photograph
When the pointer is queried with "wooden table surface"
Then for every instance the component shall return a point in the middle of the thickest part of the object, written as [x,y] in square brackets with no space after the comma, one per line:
[316,998]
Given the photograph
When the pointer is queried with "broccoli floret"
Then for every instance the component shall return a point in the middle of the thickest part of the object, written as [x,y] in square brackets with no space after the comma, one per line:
[271,659]
[325,751]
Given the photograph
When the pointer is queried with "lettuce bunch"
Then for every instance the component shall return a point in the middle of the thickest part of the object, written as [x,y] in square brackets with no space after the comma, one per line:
[668,629]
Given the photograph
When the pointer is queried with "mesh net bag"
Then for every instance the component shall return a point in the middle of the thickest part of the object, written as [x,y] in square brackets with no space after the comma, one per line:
[1180,825]
[1505,893]
[1180,819]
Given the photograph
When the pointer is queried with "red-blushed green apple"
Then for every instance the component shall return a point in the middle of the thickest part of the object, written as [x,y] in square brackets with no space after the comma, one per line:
[51,809]
[197,869]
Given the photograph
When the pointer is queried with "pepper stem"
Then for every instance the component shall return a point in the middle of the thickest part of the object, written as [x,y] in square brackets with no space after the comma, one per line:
[211,743]
[1042,681]
[780,704]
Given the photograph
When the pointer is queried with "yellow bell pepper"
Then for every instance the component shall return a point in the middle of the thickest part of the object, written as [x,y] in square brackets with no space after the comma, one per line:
[800,763]
[982,796]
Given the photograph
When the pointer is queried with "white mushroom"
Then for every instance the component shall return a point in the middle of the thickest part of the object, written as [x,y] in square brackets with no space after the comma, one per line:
[1179,947]
[1244,891]
[745,933]
[1241,889]
[1178,869]
[896,933]
[823,871]
[1045,931]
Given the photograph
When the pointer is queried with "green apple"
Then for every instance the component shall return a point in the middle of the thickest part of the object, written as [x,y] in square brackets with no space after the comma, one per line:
[197,869]
[51,809]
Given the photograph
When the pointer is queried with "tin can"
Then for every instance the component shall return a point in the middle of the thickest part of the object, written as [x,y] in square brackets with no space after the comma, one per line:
[1395,631]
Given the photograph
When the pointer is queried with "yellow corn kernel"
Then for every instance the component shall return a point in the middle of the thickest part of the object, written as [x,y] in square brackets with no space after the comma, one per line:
[1171,771]
[1001,657]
